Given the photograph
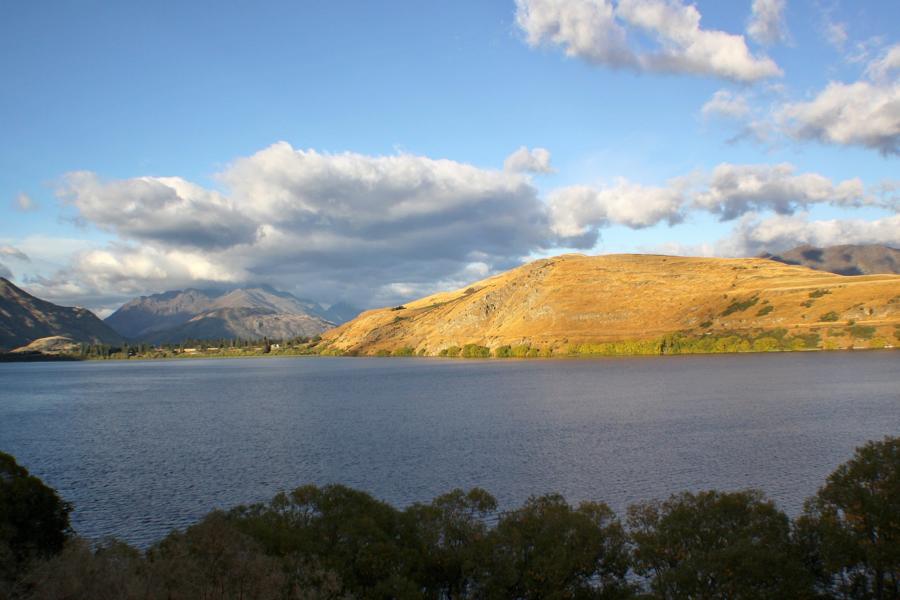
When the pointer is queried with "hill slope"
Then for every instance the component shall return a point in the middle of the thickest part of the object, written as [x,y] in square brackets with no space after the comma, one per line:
[24,318]
[249,313]
[844,260]
[574,299]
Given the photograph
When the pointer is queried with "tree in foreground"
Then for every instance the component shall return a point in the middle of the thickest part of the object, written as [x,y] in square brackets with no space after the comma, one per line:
[34,520]
[717,545]
[851,528]
[547,549]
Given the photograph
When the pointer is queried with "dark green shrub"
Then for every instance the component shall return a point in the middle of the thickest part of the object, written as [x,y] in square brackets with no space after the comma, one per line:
[864,332]
[740,305]
[503,352]
[830,316]
[717,545]
[851,528]
[765,310]
[475,351]
[34,520]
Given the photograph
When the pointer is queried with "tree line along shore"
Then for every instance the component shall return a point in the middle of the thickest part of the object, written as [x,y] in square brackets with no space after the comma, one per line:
[334,542]
[849,336]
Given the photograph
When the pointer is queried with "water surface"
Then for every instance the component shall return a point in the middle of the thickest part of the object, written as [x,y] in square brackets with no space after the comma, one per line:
[141,447]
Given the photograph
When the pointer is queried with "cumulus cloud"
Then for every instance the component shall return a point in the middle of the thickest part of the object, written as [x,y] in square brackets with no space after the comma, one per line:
[578,211]
[755,235]
[767,24]
[523,160]
[734,190]
[597,31]
[329,226]
[729,191]
[167,210]
[861,113]
[726,104]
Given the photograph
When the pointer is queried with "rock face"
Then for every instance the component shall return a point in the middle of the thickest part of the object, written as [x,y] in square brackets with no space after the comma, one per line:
[843,260]
[575,299]
[247,313]
[24,319]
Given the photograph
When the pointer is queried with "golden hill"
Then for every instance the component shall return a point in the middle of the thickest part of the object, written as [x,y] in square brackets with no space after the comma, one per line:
[558,303]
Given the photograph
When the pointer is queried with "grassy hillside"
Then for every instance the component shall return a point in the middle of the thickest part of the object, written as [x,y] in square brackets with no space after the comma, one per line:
[561,304]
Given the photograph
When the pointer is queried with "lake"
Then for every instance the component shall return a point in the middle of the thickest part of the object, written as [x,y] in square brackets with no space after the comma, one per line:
[142,447]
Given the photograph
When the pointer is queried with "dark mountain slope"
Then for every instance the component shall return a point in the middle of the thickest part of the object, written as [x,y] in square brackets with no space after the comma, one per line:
[24,318]
[866,259]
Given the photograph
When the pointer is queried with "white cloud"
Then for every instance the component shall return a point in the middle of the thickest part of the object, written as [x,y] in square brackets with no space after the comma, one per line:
[597,31]
[329,226]
[576,211]
[586,29]
[881,69]
[777,233]
[523,160]
[861,114]
[726,104]
[734,190]
[730,191]
[767,24]
[24,203]
[160,209]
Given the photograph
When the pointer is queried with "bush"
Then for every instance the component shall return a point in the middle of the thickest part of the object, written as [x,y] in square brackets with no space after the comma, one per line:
[851,528]
[404,351]
[503,352]
[475,351]
[765,310]
[740,305]
[34,520]
[829,316]
[547,549]
[717,545]
[863,332]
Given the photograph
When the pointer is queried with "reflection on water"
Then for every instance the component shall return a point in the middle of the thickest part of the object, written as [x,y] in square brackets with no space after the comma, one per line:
[141,447]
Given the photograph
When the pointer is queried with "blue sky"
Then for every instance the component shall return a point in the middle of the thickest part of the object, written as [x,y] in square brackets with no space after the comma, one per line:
[129,94]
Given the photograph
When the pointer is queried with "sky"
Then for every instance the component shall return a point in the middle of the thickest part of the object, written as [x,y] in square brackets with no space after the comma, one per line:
[375,152]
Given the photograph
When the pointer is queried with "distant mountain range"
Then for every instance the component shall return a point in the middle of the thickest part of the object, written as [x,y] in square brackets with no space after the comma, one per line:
[247,313]
[24,318]
[843,260]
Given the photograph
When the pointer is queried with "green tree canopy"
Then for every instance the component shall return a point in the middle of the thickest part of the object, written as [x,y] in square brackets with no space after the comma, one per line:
[851,528]
[717,545]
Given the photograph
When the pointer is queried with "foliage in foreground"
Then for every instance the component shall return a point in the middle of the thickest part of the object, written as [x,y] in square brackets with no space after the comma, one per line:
[336,542]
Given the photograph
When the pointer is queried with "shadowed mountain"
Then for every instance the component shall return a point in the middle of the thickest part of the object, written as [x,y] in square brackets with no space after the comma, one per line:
[24,319]
[843,260]
[247,313]
[555,303]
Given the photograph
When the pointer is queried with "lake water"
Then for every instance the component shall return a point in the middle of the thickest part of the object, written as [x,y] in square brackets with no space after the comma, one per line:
[142,447]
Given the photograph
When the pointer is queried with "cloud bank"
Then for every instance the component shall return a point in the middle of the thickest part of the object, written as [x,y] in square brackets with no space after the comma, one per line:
[379,229]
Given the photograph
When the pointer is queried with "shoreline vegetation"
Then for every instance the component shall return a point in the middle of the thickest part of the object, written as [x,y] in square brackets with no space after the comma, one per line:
[849,336]
[334,542]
